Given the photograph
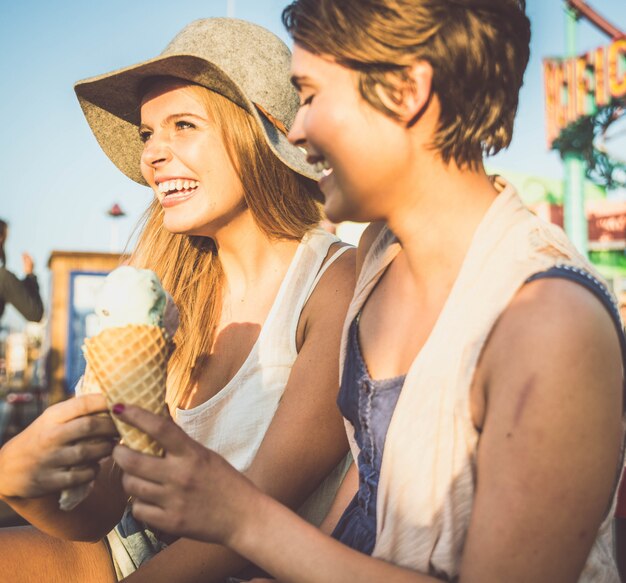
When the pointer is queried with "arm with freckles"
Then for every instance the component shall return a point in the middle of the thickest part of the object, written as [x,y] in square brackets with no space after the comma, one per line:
[548,456]
[34,469]
[303,444]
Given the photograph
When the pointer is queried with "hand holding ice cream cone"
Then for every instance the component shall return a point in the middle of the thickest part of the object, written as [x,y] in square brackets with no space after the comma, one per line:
[127,359]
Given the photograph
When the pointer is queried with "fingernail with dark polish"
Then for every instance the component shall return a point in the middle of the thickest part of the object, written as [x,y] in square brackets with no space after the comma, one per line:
[118,408]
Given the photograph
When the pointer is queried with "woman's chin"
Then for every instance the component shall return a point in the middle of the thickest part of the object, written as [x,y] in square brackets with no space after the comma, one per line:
[184,228]
[337,210]
[177,226]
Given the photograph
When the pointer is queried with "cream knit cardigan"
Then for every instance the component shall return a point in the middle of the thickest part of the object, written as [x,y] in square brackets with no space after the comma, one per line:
[428,473]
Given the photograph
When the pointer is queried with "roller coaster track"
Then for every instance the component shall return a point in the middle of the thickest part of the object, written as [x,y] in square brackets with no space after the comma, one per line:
[602,24]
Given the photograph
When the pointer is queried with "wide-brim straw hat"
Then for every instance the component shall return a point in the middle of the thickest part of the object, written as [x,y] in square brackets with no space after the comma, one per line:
[241,61]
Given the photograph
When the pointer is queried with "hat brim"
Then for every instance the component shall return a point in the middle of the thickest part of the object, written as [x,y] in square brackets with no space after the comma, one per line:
[111,104]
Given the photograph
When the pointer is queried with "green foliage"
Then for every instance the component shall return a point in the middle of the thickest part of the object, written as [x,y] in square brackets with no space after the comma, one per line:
[581,137]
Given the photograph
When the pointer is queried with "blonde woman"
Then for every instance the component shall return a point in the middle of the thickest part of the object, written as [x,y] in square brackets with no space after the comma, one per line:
[262,291]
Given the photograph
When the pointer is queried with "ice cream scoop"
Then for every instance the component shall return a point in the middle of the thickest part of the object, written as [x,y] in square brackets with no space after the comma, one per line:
[130,296]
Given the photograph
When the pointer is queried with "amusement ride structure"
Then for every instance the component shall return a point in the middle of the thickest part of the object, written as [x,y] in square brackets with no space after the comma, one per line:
[585,95]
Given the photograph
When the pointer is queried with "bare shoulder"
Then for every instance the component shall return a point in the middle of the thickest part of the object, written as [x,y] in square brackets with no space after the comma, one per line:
[343,267]
[326,308]
[553,317]
[556,343]
[336,285]
[366,241]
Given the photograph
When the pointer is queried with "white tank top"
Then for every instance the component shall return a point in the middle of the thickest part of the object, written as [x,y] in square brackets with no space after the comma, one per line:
[234,421]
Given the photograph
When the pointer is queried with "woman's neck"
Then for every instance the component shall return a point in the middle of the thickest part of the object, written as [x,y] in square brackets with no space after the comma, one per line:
[248,257]
[438,217]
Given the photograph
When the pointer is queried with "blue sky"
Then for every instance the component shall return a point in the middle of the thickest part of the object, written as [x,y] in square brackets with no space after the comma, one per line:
[59,184]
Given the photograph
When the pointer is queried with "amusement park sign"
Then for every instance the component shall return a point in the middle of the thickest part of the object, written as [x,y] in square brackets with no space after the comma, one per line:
[578,86]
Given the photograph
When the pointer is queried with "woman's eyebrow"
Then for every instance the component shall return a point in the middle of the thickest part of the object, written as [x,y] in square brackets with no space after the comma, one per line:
[176,116]
[171,118]
[298,80]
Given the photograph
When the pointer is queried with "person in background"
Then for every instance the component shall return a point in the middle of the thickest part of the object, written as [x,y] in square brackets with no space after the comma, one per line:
[482,355]
[23,294]
[233,234]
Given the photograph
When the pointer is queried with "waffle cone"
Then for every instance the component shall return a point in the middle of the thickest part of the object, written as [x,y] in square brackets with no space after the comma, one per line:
[130,365]
[90,382]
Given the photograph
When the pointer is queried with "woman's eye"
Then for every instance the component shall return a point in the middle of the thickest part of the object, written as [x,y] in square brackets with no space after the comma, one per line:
[144,136]
[184,125]
[307,101]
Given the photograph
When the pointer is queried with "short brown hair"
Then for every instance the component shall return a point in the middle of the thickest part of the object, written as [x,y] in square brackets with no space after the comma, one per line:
[478,50]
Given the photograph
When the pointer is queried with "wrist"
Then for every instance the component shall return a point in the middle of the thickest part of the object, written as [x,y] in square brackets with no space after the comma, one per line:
[5,493]
[244,523]
[252,526]
[10,475]
[4,497]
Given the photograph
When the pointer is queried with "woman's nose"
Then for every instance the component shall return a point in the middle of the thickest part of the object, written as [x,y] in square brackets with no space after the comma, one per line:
[155,151]
[296,134]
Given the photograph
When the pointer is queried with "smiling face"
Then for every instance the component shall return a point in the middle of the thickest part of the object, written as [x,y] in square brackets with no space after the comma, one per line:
[362,151]
[186,163]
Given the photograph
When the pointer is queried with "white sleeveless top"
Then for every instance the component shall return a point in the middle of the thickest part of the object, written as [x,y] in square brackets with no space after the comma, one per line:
[234,421]
[428,472]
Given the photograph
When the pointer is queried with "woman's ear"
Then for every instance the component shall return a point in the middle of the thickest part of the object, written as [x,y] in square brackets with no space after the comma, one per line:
[411,95]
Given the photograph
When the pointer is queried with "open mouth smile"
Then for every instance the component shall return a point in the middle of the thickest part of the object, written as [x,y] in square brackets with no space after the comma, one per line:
[321,165]
[178,186]
[176,191]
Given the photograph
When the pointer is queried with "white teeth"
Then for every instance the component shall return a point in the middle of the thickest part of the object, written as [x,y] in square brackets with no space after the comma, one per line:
[322,166]
[327,171]
[170,186]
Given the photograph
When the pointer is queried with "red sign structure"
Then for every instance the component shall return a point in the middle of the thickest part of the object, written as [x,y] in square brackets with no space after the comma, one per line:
[606,222]
[578,86]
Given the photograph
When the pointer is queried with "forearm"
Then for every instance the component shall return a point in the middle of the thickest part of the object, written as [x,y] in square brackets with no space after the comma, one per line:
[45,515]
[89,521]
[292,550]
[189,561]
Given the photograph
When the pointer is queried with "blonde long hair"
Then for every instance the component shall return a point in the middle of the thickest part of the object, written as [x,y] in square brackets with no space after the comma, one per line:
[284,205]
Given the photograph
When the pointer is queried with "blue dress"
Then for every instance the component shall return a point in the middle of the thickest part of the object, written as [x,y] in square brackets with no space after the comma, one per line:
[368,404]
